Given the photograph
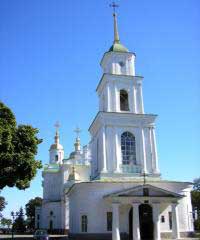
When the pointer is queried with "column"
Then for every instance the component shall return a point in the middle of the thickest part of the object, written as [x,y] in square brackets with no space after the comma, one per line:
[140,99]
[134,100]
[115,221]
[117,156]
[154,150]
[104,169]
[156,220]
[108,98]
[175,222]
[136,221]
[143,151]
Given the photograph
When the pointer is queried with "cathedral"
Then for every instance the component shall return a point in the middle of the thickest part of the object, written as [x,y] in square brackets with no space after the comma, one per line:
[112,187]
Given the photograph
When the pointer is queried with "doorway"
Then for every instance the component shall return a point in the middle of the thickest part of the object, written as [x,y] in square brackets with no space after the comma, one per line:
[146,221]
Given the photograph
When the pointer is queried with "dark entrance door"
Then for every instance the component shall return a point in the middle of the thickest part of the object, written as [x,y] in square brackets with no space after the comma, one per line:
[131,224]
[146,222]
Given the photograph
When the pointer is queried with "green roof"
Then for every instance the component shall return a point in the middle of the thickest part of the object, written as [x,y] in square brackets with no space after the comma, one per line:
[118,47]
[53,167]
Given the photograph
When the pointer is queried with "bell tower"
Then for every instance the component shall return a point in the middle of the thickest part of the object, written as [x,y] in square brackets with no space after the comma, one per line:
[123,137]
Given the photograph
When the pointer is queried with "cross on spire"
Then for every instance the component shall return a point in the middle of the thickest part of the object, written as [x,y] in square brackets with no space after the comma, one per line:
[114,6]
[57,126]
[77,131]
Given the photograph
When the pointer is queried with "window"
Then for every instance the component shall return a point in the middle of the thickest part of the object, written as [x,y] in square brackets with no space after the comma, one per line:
[109,221]
[84,223]
[51,213]
[128,148]
[162,219]
[56,158]
[38,217]
[124,100]
[170,220]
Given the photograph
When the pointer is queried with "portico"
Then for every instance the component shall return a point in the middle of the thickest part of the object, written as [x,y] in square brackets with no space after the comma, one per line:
[146,203]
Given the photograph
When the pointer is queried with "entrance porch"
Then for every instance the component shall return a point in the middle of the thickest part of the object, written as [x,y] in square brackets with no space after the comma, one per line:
[146,205]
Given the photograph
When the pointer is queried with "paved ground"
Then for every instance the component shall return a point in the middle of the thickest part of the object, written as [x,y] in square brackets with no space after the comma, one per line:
[58,237]
[27,237]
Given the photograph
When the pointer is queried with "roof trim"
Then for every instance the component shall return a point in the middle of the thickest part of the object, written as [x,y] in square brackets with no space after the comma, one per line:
[118,193]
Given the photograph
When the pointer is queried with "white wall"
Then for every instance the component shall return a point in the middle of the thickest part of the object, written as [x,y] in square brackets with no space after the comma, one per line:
[88,199]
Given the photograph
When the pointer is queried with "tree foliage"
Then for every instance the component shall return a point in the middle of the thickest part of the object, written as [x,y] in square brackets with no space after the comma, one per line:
[2,204]
[195,194]
[197,184]
[19,224]
[6,222]
[18,147]
[30,211]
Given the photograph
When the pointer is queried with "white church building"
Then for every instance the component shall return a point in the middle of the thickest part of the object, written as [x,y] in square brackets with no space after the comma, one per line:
[112,188]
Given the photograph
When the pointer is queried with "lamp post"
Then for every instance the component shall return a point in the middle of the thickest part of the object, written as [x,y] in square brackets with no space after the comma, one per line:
[13,214]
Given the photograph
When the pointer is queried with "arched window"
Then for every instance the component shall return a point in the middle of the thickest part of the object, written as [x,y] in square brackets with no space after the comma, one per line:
[128,148]
[124,100]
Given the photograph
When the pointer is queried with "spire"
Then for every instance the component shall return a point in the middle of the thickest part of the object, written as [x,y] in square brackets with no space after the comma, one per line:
[117,46]
[116,34]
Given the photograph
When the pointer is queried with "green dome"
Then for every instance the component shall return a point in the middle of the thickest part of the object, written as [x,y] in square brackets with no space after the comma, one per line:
[118,47]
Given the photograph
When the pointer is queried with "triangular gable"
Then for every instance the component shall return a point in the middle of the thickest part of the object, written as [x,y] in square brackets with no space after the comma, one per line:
[139,191]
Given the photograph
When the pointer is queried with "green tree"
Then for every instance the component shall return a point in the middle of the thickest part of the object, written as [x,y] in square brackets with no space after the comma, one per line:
[30,211]
[19,224]
[18,147]
[6,222]
[2,204]
[195,194]
[197,184]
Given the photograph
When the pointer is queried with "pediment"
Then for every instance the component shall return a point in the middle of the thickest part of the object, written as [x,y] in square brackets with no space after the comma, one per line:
[145,190]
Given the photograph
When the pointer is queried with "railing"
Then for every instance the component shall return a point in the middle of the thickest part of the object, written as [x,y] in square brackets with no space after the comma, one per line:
[130,168]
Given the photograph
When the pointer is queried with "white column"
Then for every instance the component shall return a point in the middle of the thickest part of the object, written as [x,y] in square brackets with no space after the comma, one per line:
[154,150]
[134,100]
[116,106]
[156,220]
[136,221]
[143,151]
[117,156]
[175,222]
[108,98]
[140,96]
[104,149]
[115,221]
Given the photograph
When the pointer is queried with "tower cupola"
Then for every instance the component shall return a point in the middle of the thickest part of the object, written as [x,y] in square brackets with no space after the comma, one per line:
[56,150]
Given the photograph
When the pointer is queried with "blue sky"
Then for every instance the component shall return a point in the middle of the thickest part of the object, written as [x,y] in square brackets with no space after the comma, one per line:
[49,61]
